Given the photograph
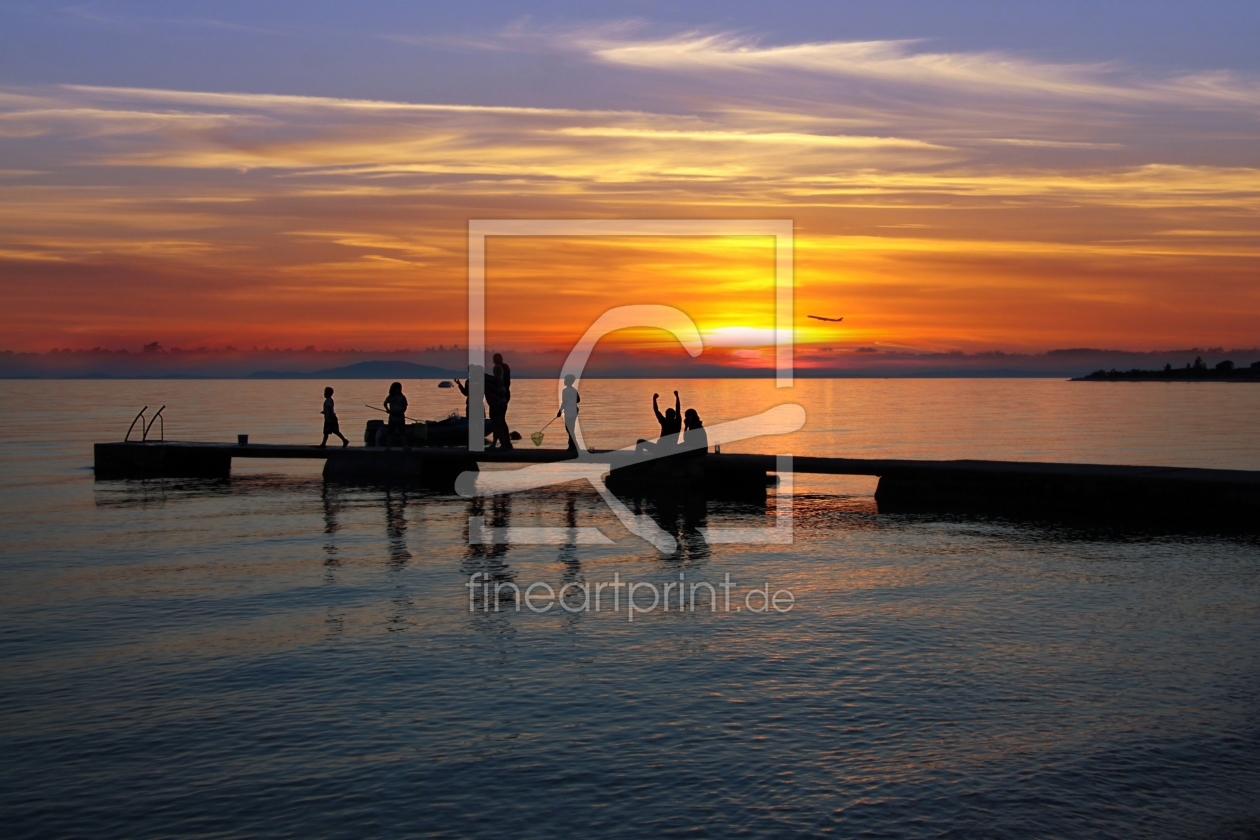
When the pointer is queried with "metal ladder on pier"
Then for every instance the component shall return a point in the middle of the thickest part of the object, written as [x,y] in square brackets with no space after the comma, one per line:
[147,425]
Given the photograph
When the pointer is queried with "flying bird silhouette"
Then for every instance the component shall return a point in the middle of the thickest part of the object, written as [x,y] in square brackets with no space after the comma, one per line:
[821,318]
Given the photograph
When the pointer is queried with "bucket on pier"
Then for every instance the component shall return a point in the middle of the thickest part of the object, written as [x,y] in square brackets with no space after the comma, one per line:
[242,440]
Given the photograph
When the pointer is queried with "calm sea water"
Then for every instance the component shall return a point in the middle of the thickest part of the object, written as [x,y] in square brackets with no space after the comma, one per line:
[274,656]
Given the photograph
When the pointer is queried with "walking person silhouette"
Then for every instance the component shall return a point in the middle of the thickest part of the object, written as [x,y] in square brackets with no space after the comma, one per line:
[331,425]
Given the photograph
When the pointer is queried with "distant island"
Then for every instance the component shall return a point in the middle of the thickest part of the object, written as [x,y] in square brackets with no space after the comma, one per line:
[1196,371]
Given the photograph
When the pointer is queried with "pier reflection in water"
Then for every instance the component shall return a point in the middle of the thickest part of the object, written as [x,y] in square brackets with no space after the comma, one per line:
[495,580]
[331,497]
[682,517]
[396,528]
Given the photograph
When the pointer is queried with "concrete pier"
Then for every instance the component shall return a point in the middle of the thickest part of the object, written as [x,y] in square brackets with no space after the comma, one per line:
[1107,491]
[1178,494]
[162,460]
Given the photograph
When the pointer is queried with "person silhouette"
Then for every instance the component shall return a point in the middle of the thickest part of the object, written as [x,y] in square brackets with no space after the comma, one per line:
[569,399]
[464,388]
[331,426]
[695,438]
[492,391]
[671,420]
[671,425]
[498,393]
[503,372]
[396,405]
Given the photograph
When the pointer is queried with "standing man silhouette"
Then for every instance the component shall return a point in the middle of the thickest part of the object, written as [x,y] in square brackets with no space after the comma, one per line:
[503,373]
[569,400]
[498,398]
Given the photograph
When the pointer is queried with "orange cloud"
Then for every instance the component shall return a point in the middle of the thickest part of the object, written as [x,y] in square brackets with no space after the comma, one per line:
[132,215]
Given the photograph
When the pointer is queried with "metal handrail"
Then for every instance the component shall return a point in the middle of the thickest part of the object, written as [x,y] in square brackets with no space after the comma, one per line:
[161,426]
[133,424]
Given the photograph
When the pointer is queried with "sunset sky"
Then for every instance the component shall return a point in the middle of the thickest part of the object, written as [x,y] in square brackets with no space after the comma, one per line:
[962,176]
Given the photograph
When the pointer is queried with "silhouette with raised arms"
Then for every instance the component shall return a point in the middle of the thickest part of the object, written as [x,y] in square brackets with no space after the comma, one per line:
[671,425]
[671,420]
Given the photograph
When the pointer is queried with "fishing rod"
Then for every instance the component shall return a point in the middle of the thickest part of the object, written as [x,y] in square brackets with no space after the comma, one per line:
[383,411]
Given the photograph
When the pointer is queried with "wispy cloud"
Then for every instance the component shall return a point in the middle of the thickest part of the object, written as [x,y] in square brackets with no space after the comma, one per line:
[356,138]
[911,63]
[1051,144]
[778,138]
[305,104]
[888,60]
[98,122]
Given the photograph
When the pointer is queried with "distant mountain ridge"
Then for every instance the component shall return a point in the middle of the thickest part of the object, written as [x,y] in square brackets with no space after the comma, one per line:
[448,362]
[363,370]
